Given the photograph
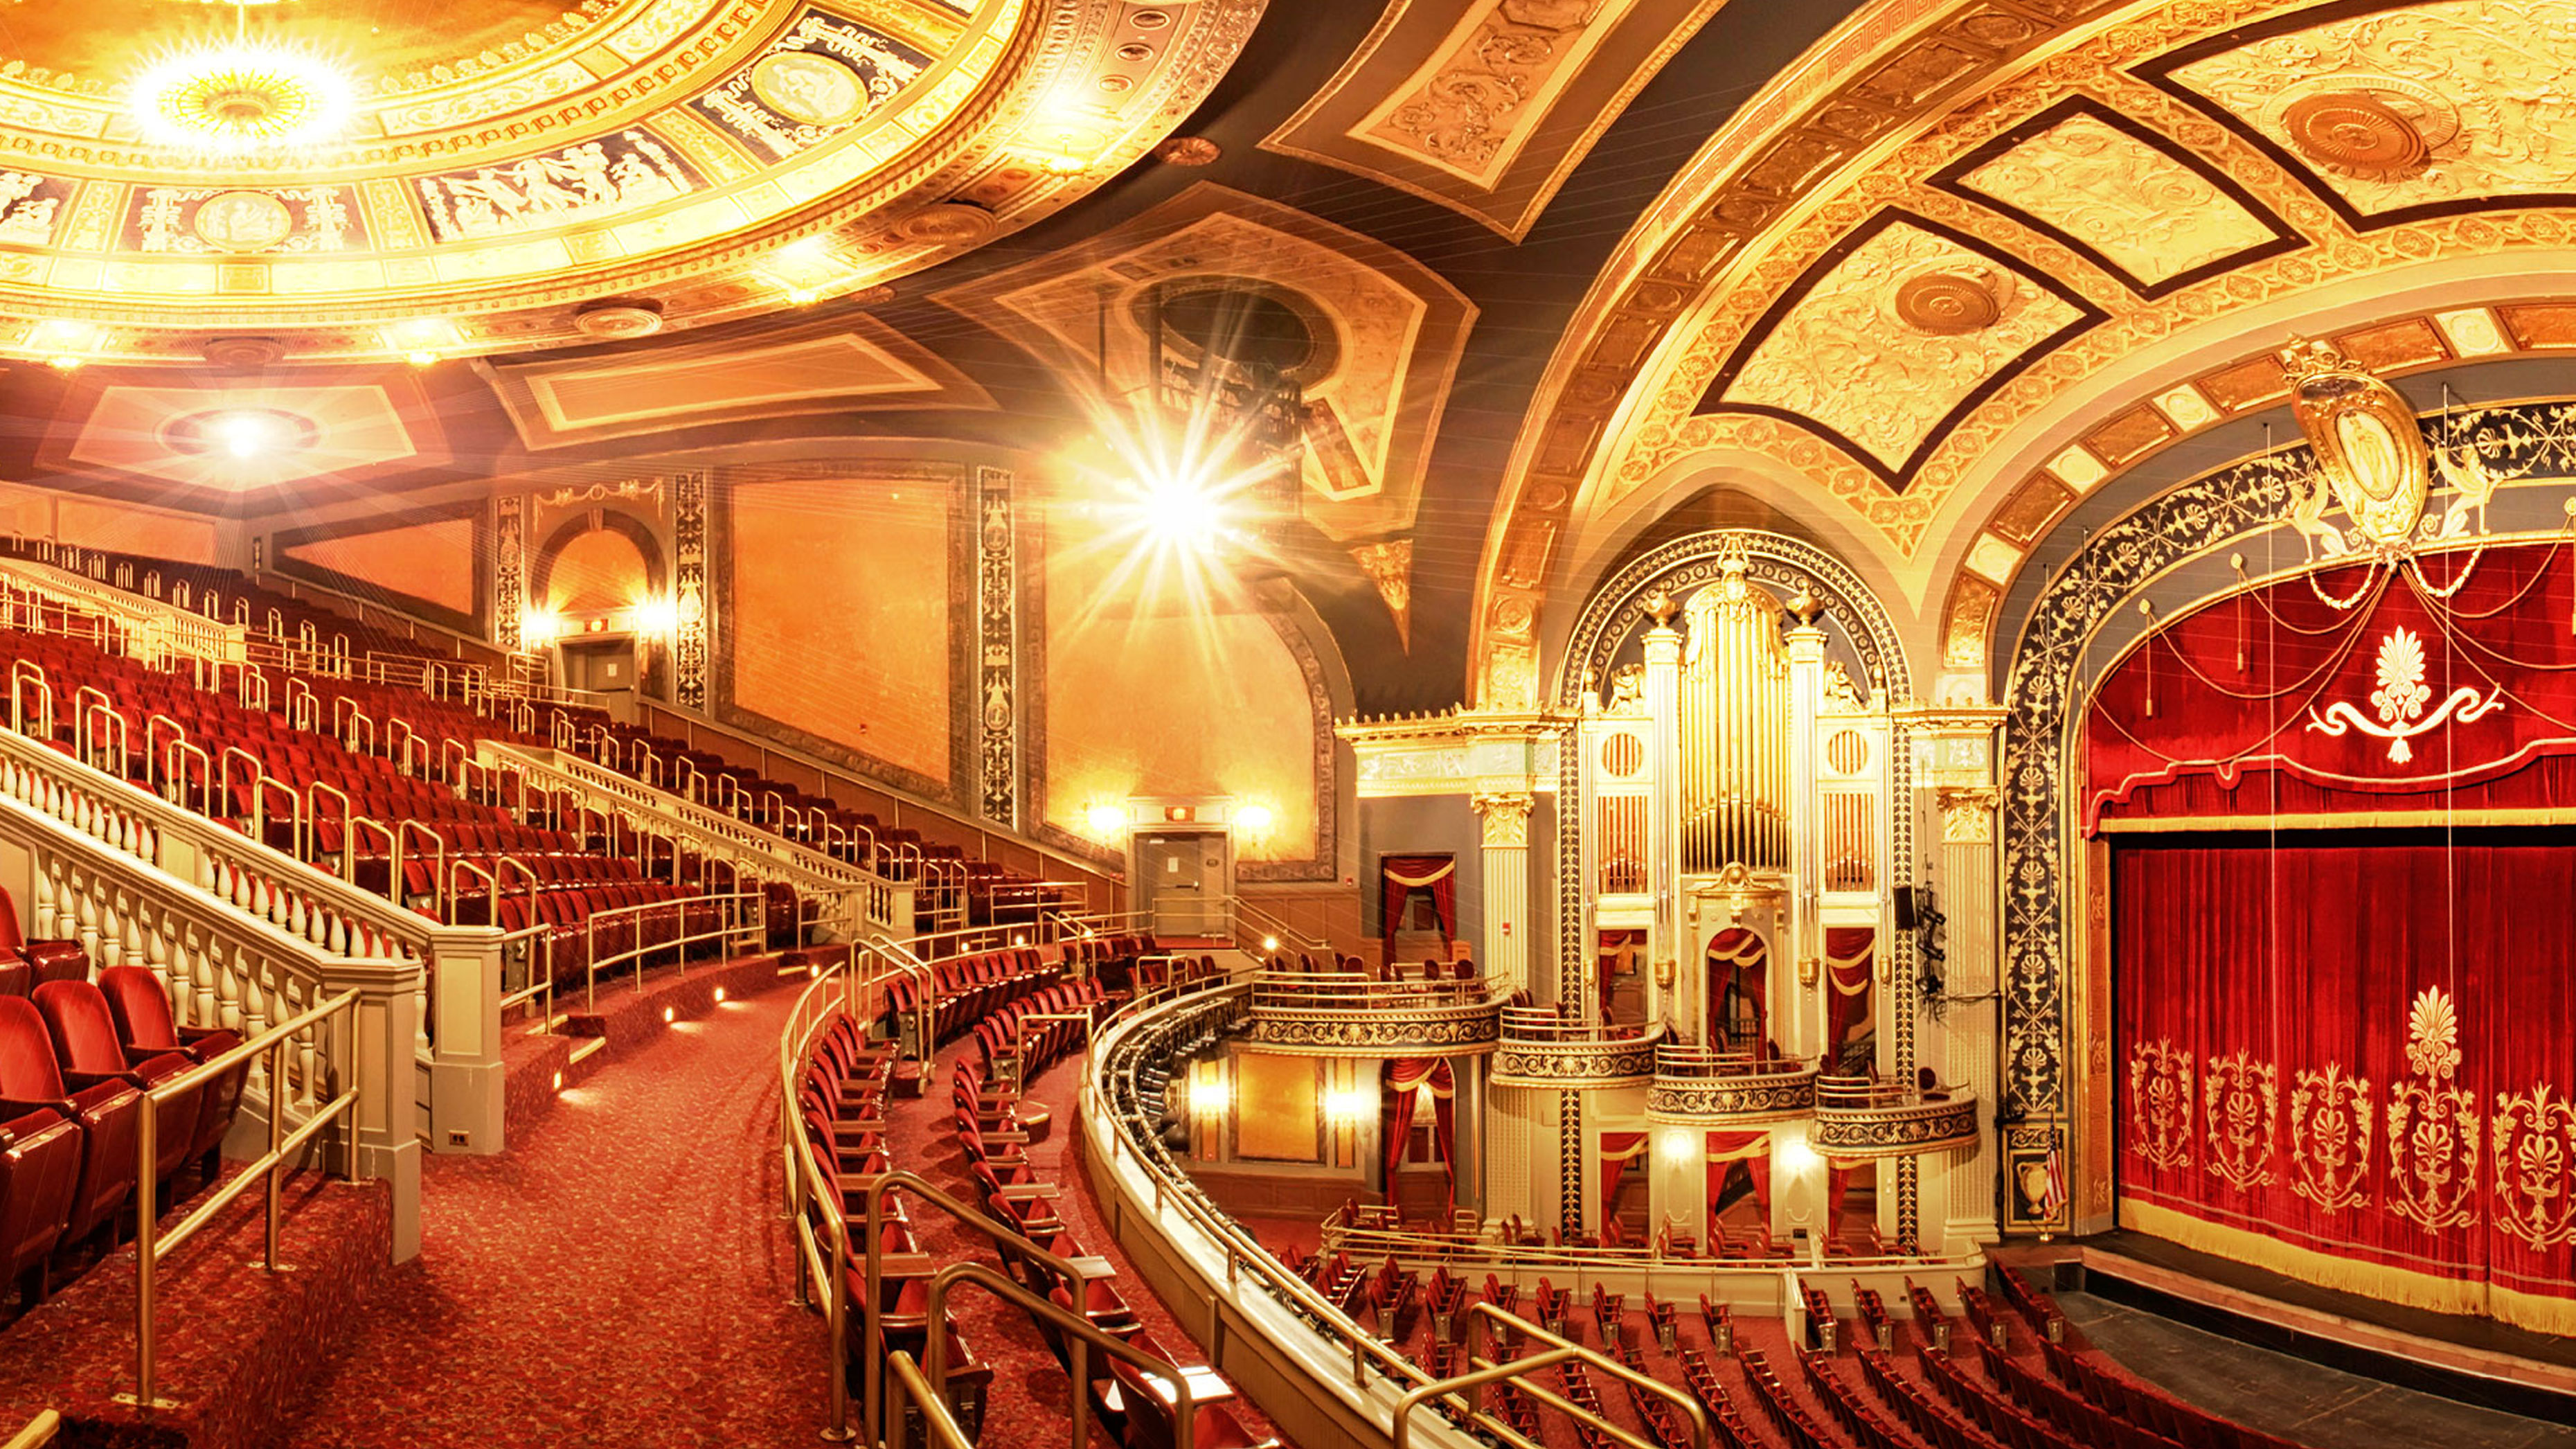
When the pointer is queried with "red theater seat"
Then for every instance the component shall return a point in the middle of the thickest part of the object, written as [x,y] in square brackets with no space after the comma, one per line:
[143,1027]
[49,960]
[85,1042]
[104,1113]
[40,1170]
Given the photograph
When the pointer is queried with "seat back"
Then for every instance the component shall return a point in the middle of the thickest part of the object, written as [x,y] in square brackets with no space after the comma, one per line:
[28,1071]
[139,1008]
[40,1160]
[83,1029]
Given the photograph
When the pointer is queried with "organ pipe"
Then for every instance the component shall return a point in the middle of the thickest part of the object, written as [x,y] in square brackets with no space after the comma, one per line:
[1735,719]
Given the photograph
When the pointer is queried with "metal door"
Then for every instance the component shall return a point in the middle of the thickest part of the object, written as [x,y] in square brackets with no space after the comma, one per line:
[1184,882]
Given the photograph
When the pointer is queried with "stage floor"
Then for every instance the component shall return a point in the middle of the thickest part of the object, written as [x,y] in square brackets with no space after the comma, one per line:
[2304,1402]
[2477,1363]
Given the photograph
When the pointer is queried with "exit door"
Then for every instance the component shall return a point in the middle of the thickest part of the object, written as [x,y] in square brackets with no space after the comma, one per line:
[607,669]
[1184,878]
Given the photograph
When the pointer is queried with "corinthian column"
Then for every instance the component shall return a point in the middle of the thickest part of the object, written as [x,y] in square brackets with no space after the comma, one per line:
[1505,856]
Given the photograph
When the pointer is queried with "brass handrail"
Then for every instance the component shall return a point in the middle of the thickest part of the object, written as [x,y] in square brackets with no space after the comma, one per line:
[1563,1351]
[152,1245]
[935,1417]
[39,1432]
[639,951]
[1085,1336]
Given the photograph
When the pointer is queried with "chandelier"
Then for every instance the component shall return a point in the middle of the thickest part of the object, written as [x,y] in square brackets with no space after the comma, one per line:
[240,96]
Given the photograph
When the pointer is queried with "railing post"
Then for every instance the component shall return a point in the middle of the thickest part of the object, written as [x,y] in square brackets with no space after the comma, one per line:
[465,1077]
[383,1066]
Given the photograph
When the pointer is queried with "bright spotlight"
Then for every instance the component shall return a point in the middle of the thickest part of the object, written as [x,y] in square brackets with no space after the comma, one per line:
[246,434]
[1255,819]
[1180,515]
[670,1014]
[719,995]
[1270,943]
[1105,819]
[657,618]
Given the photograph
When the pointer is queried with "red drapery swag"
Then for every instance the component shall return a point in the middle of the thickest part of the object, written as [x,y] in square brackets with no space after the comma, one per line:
[2279,702]
[1399,876]
[1618,1150]
[1405,1081]
[1851,961]
[1753,1149]
[1736,954]
[2352,1063]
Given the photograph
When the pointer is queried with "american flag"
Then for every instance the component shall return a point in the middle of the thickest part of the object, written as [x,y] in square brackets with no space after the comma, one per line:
[2053,1200]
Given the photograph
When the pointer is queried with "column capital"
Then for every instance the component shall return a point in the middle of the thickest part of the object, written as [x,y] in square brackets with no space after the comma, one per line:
[1506,814]
[1967,813]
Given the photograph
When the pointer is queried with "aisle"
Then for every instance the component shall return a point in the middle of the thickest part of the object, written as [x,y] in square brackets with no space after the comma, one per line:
[619,1277]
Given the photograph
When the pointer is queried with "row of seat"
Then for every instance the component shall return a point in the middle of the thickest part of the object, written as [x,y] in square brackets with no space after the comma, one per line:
[76,1058]
[451,848]
[956,887]
[1137,1406]
[963,989]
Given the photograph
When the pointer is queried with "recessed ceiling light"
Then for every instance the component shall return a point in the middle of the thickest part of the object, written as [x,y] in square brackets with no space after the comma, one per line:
[244,434]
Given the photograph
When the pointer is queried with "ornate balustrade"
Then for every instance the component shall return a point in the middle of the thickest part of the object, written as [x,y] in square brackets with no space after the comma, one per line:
[1697,1085]
[1864,1117]
[1348,1014]
[246,936]
[1540,1048]
[853,896]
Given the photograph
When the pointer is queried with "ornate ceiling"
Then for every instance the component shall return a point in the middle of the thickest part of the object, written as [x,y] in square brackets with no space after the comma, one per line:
[510,177]
[1915,279]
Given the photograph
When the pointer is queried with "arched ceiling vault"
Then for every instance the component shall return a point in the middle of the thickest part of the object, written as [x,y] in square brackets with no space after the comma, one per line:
[1950,308]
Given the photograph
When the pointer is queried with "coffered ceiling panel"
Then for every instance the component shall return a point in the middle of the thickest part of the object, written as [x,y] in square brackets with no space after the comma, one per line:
[2395,112]
[2129,199]
[1894,333]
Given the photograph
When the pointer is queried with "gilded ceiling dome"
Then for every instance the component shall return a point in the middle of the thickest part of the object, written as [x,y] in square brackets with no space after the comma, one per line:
[368,182]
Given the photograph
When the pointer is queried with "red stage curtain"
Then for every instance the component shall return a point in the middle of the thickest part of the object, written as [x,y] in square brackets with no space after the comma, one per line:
[2276,702]
[1851,961]
[1399,876]
[2347,1057]
[1618,1149]
[1405,1080]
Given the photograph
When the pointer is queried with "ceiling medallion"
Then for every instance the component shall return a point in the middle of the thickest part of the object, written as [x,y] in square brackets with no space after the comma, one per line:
[1187,151]
[617,321]
[814,89]
[244,354]
[1951,302]
[949,222]
[2371,127]
[239,97]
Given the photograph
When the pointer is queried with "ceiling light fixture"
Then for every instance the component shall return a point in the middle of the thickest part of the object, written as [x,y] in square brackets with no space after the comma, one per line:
[240,96]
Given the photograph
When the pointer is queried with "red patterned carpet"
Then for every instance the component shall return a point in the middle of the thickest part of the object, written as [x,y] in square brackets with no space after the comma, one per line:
[619,1277]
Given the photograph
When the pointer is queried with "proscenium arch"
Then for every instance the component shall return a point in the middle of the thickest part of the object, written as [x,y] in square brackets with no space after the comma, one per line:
[1789,563]
[2086,604]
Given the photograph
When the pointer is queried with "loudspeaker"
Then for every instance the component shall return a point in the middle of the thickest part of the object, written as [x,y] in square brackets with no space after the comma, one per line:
[1905,917]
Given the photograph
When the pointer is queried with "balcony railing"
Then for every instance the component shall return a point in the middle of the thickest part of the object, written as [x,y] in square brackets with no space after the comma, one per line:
[1701,1084]
[1364,1014]
[1540,1047]
[1879,1117]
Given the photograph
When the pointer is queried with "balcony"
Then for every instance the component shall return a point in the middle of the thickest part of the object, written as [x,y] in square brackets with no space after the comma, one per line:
[1878,1117]
[1372,1014]
[1541,1048]
[1702,1086]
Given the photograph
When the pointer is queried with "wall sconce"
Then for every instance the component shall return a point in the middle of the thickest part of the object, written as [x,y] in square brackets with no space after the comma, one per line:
[1809,968]
[539,627]
[1664,971]
[1256,820]
[1347,1106]
[657,618]
[1105,820]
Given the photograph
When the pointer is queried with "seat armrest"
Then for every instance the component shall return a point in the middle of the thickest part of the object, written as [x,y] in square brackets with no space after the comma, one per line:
[82,1081]
[1028,1192]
